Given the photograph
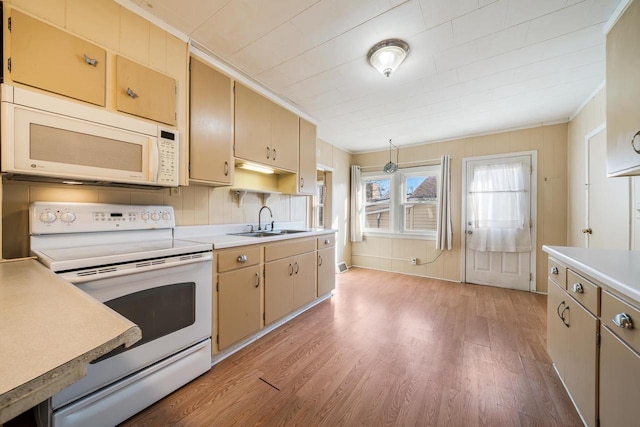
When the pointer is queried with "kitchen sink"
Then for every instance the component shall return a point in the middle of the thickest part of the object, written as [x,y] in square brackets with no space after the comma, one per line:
[266,233]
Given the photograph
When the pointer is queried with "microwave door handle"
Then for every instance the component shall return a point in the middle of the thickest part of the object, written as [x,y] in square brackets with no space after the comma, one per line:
[154,165]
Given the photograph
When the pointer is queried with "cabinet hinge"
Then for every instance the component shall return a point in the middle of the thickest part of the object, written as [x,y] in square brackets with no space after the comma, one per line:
[9,24]
[530,277]
[264,317]
[217,287]
[598,339]
[189,167]
[264,272]
[9,64]
[218,339]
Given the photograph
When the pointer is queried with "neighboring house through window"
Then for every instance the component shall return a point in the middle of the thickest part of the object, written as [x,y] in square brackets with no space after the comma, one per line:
[402,203]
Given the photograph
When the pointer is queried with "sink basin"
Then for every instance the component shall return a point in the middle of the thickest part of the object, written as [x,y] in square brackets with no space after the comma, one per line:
[252,234]
[266,233]
[287,231]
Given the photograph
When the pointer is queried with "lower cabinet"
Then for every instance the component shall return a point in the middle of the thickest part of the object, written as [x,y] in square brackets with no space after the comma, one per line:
[239,293]
[572,343]
[619,382]
[290,277]
[326,270]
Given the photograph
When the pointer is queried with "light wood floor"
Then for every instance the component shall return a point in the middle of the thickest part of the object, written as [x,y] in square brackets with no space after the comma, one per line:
[387,349]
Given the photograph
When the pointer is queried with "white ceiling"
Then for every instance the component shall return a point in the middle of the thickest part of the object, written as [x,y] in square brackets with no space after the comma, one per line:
[475,66]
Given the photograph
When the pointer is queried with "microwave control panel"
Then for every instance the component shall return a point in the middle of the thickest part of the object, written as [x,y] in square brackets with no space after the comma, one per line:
[168,158]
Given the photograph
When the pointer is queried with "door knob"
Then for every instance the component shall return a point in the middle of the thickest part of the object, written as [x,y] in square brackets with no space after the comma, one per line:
[587,230]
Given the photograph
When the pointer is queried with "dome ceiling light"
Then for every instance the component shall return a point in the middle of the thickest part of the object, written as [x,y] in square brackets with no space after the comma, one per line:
[387,55]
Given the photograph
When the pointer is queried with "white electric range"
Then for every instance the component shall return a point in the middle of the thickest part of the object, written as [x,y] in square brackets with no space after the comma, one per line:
[125,256]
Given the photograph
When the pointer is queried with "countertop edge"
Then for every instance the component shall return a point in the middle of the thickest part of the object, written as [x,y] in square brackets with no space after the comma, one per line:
[598,274]
[237,241]
[27,395]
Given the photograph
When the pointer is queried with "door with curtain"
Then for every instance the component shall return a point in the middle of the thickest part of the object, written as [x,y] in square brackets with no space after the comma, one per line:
[498,224]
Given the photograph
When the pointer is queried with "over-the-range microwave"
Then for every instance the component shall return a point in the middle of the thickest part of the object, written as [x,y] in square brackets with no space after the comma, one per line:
[52,139]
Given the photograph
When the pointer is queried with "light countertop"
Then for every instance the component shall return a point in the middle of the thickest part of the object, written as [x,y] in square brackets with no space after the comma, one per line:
[50,331]
[220,239]
[617,269]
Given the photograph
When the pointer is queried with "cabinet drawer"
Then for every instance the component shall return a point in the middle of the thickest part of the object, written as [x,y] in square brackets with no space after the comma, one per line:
[144,92]
[584,291]
[237,258]
[613,307]
[558,273]
[326,241]
[288,248]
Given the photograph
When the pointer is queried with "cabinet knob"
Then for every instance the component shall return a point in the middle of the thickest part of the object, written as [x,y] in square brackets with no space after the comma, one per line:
[635,142]
[623,321]
[242,258]
[327,241]
[131,93]
[91,61]
[553,270]
[577,288]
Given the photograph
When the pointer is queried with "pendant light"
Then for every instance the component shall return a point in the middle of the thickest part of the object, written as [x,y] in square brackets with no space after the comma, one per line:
[387,55]
[391,167]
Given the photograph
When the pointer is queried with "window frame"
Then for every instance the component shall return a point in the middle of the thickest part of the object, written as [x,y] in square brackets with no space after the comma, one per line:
[398,203]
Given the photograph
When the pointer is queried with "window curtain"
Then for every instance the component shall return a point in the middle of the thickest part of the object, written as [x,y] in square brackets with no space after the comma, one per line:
[443,226]
[499,209]
[357,204]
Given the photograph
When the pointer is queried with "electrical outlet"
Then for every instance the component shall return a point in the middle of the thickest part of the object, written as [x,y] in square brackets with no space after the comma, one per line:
[414,261]
[174,191]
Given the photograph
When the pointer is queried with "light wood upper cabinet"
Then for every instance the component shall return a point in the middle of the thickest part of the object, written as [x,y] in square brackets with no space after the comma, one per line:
[144,92]
[307,167]
[265,132]
[211,126]
[284,138]
[623,92]
[252,125]
[51,59]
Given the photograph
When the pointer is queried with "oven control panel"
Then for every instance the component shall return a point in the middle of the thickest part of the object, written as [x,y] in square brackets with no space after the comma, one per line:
[55,217]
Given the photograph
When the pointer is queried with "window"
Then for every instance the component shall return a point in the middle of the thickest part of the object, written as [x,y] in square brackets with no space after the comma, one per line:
[402,203]
[319,205]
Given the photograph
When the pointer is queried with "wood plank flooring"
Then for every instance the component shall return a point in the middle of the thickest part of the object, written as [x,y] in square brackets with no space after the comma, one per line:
[386,350]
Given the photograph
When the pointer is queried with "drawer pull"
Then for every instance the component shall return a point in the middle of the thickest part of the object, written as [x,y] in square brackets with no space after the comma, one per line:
[553,270]
[131,93]
[267,152]
[297,267]
[242,258]
[275,153]
[558,309]
[565,320]
[577,288]
[320,260]
[623,320]
[226,168]
[90,61]
[290,270]
[257,280]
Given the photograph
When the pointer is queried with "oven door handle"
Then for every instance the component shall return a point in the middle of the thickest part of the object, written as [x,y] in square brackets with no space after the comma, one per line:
[77,277]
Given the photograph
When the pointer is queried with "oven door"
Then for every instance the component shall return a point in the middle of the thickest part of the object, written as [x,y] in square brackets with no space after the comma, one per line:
[172,307]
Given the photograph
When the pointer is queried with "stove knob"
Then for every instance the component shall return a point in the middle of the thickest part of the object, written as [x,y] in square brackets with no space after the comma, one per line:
[155,216]
[145,216]
[47,217]
[166,216]
[68,217]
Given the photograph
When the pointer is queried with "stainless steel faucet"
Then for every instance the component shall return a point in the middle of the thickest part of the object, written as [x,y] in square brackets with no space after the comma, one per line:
[260,214]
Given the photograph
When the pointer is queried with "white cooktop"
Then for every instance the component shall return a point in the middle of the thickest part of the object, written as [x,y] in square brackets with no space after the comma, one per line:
[63,259]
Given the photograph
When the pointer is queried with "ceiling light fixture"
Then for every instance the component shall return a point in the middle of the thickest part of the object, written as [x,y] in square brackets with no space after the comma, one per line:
[387,55]
[256,168]
[391,167]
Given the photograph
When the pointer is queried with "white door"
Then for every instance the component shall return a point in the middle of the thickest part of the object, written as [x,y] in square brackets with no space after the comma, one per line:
[608,200]
[498,240]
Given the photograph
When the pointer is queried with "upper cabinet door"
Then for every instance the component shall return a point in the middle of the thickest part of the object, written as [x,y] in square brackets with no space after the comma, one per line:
[45,57]
[284,138]
[211,124]
[623,92]
[144,92]
[307,168]
[252,125]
